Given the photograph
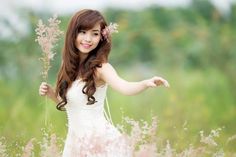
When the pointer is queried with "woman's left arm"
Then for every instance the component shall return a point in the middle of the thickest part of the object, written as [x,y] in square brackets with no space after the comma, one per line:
[108,74]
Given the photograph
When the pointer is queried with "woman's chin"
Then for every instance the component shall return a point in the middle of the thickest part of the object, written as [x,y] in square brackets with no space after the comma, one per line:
[85,52]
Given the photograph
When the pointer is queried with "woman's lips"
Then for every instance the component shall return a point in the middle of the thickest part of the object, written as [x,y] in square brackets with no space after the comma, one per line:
[86,46]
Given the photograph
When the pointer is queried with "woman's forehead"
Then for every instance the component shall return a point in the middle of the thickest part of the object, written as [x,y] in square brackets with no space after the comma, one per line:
[94,27]
[97,27]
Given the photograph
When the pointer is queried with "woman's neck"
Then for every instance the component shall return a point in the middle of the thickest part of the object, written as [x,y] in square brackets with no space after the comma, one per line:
[83,57]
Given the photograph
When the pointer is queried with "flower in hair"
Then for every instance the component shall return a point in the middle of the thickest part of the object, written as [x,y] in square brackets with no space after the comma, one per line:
[108,30]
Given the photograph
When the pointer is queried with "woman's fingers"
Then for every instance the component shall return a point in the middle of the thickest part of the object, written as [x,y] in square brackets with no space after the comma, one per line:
[43,89]
[42,92]
[165,83]
[160,81]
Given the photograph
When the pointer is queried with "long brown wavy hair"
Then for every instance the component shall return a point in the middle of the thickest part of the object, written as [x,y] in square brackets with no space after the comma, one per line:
[72,66]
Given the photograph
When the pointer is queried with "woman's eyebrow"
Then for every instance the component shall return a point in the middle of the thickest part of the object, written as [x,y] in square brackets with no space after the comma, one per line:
[96,30]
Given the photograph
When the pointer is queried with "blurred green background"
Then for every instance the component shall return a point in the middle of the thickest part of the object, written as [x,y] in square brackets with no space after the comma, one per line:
[193,48]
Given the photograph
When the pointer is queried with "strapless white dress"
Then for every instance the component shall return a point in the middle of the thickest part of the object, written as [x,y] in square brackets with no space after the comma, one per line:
[90,134]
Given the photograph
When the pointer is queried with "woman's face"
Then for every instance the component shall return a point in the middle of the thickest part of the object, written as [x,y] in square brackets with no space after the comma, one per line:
[87,40]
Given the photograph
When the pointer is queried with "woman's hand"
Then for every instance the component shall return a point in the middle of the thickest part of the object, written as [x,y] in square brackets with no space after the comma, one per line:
[46,90]
[156,81]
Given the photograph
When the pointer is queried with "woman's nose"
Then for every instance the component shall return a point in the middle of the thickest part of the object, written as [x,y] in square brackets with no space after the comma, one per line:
[87,38]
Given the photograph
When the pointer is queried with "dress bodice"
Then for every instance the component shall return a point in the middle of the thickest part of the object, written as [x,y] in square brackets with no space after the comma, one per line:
[82,117]
[76,98]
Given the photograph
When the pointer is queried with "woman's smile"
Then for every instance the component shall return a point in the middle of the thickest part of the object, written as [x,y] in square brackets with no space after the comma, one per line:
[86,46]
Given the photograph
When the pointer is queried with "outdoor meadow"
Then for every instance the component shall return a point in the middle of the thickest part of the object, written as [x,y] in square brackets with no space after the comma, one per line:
[193,48]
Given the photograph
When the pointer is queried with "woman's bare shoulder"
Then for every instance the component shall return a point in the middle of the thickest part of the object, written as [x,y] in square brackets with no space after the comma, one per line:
[104,67]
[100,71]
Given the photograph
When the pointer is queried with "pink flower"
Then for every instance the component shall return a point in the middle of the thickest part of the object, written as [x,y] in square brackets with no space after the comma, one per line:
[108,30]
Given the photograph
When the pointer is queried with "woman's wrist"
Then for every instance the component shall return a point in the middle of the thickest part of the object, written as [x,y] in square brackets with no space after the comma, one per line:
[144,84]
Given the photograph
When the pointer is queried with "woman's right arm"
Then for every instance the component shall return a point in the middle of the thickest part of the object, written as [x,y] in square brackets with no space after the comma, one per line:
[46,90]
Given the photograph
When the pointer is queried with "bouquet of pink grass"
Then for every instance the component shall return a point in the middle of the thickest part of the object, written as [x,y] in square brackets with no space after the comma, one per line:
[47,37]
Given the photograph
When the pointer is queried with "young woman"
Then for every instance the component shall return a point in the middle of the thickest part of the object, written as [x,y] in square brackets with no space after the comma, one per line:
[81,88]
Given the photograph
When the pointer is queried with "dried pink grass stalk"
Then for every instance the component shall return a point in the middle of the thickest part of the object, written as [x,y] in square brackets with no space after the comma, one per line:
[49,147]
[28,149]
[210,138]
[141,137]
[47,37]
[141,140]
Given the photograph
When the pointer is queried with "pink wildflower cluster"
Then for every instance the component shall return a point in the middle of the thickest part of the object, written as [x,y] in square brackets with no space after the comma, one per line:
[28,149]
[139,139]
[47,37]
[108,30]
[210,138]
[49,146]
[142,137]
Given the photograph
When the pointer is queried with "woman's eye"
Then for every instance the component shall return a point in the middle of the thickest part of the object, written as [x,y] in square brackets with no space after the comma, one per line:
[82,32]
[96,34]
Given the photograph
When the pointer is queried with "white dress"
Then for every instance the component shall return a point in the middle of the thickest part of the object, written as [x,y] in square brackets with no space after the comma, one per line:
[90,134]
